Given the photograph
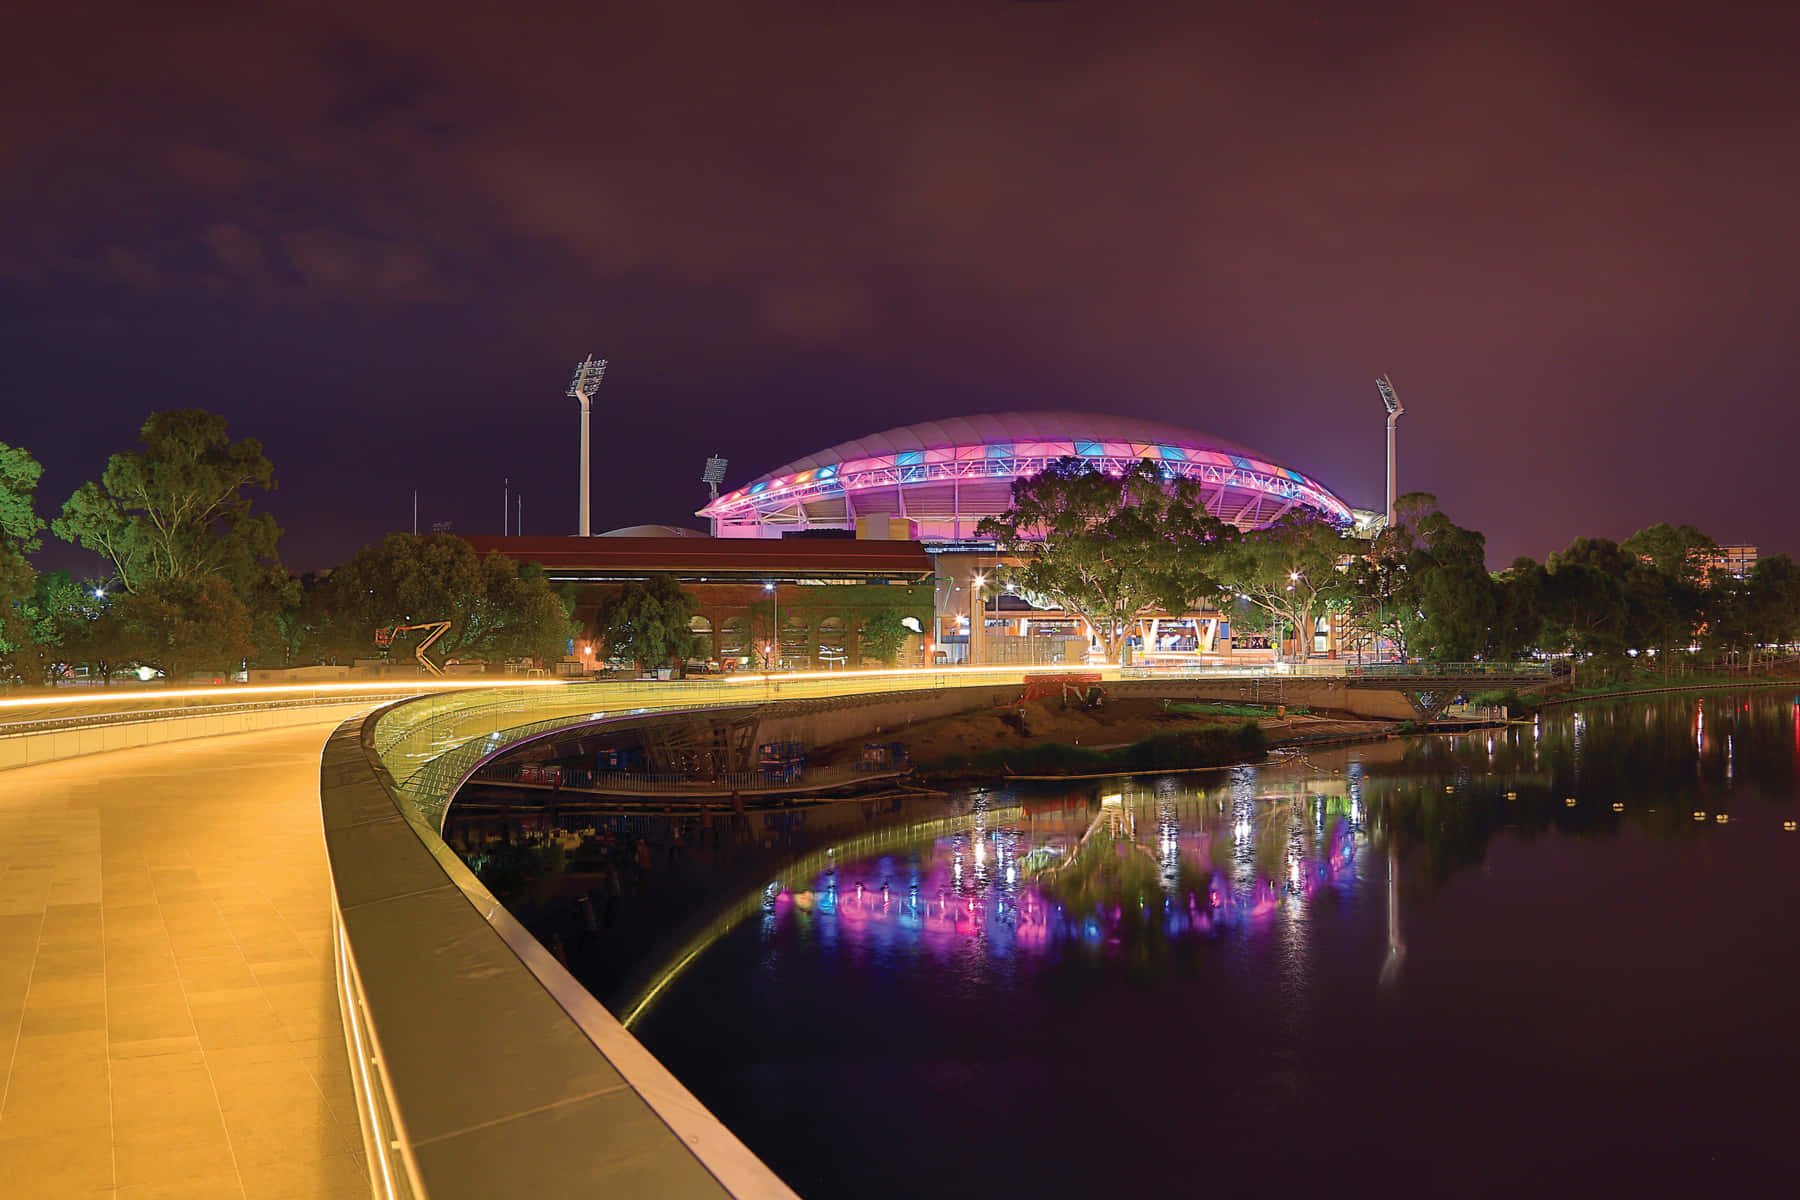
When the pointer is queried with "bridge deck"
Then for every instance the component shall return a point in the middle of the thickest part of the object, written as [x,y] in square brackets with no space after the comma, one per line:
[168,1019]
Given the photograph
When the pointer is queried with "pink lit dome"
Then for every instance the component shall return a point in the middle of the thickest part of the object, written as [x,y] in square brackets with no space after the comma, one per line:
[945,476]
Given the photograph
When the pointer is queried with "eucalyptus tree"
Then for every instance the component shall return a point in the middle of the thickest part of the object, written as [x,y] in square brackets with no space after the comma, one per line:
[496,607]
[1110,548]
[1586,607]
[19,529]
[180,507]
[1292,571]
[647,621]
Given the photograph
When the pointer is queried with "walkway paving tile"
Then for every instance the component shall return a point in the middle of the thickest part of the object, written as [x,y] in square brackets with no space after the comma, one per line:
[168,1016]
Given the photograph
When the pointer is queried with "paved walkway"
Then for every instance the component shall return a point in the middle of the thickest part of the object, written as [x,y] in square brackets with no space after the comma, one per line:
[168,1021]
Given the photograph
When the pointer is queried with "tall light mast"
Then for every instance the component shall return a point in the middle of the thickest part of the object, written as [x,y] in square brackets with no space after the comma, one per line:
[586,382]
[1394,409]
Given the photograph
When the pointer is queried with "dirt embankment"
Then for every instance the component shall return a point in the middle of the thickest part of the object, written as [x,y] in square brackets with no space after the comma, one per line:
[1113,724]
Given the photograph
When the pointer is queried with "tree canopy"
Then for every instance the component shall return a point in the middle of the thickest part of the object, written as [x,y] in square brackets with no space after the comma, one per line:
[19,529]
[497,608]
[179,508]
[1109,548]
[1427,586]
[183,625]
[1290,572]
[647,622]
[882,634]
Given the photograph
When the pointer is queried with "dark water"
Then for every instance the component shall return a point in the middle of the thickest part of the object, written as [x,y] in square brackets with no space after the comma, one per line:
[1371,971]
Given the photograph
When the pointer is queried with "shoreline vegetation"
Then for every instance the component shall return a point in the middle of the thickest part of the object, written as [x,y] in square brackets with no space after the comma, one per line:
[1171,750]
[1233,734]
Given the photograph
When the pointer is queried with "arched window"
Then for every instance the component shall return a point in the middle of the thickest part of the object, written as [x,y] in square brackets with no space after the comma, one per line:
[796,640]
[833,647]
[734,640]
[705,645]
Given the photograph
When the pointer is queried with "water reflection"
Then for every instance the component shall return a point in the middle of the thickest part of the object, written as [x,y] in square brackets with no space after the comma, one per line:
[1109,874]
[1120,873]
[1140,952]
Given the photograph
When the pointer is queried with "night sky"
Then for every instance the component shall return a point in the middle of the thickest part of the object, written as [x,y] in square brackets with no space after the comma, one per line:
[379,236]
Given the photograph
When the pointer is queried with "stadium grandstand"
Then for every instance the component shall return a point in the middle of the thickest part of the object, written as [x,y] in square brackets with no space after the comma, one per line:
[934,481]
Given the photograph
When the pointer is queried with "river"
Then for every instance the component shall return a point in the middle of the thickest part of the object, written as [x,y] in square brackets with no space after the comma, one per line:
[1555,956]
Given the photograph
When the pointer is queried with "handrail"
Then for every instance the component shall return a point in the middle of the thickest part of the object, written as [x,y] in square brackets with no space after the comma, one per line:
[553,1096]
[1449,670]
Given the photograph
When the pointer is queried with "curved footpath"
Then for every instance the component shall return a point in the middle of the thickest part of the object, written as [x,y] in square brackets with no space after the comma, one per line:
[168,1013]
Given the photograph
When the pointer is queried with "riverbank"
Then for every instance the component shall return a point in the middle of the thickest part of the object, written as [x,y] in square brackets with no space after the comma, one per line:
[1048,739]
[1786,674]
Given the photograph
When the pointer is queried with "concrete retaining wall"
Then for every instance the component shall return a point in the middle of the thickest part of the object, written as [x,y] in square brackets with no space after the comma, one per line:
[1374,703]
[871,720]
[884,717]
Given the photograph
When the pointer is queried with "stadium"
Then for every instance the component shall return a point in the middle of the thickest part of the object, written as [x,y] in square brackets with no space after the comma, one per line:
[934,481]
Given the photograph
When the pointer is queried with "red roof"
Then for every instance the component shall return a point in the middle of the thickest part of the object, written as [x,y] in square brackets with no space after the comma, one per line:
[699,555]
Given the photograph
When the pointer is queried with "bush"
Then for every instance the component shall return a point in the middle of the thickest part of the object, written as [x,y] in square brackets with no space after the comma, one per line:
[1210,747]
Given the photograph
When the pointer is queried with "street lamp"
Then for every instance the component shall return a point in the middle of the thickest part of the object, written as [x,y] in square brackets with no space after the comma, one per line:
[775,600]
[977,617]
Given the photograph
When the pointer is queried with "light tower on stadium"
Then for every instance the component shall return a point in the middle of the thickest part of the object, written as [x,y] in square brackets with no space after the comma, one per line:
[1394,408]
[586,382]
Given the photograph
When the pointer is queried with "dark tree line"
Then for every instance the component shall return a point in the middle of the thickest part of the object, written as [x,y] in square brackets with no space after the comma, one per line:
[1115,548]
[1650,600]
[194,581]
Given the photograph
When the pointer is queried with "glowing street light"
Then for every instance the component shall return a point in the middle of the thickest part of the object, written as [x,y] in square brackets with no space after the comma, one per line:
[775,600]
[977,617]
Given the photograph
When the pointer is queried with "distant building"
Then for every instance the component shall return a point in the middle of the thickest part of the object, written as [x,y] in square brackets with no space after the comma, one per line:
[1736,561]
[930,484]
[935,481]
[823,588]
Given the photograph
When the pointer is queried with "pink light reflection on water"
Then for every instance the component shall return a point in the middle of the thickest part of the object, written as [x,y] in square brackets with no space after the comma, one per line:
[924,901]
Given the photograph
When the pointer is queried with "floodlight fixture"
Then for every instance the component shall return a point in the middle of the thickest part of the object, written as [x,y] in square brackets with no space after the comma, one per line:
[588,374]
[714,475]
[1388,396]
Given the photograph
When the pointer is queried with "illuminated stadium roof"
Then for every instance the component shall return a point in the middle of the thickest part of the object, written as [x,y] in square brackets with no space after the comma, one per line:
[946,475]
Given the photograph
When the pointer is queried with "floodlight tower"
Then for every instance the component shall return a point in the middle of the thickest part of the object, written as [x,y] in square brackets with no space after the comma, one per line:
[586,382]
[1394,408]
[712,477]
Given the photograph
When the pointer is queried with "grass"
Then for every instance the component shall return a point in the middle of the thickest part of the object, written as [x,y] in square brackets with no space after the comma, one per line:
[1219,708]
[1210,747]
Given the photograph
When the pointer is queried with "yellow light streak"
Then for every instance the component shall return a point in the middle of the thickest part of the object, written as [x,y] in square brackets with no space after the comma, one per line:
[228,692]
[947,673]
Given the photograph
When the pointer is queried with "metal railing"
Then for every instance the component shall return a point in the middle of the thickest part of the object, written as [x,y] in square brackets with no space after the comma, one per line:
[90,707]
[1449,670]
[430,745]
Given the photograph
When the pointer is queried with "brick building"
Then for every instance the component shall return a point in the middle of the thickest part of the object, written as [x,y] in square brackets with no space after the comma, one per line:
[824,589]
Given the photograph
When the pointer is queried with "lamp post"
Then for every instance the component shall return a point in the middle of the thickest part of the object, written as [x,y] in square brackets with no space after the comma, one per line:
[977,617]
[1300,647]
[775,642]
